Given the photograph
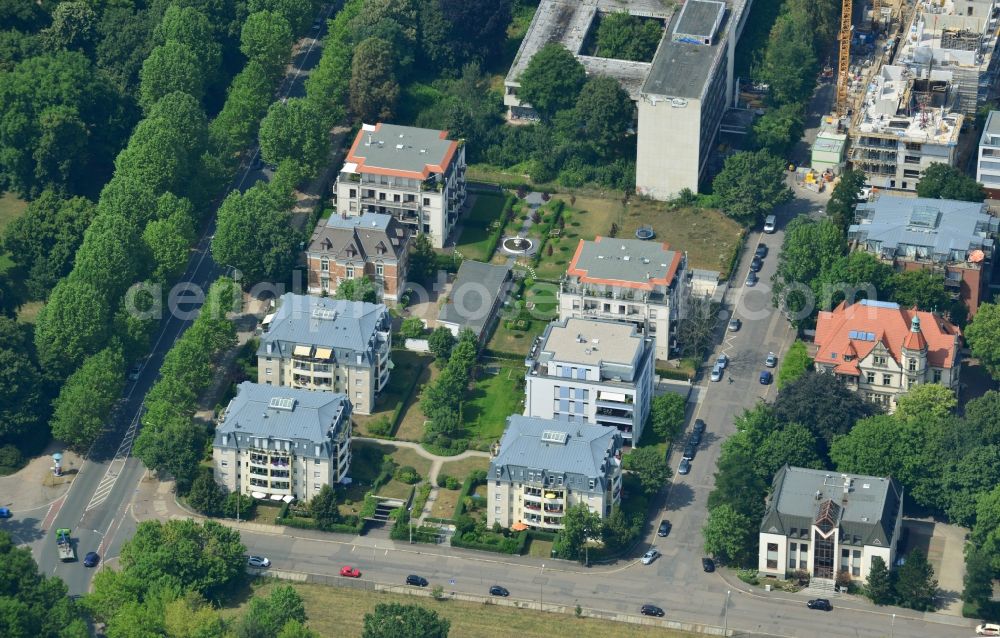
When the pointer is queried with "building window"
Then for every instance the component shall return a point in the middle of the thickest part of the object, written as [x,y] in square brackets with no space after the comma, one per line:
[879,361]
[354,193]
[324,265]
[496,510]
[315,474]
[379,269]
[870,377]
[772,556]
[357,381]
[357,395]
[315,486]
[225,463]
[349,272]
[912,364]
[427,201]
[591,484]
[886,379]
[937,376]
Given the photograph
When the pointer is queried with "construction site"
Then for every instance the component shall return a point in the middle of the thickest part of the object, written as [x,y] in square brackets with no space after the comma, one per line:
[910,78]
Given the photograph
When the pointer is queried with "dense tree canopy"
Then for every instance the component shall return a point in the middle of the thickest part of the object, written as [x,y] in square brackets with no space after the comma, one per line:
[942,181]
[794,364]
[649,466]
[374,87]
[82,408]
[73,325]
[823,404]
[294,130]
[808,254]
[454,32]
[845,196]
[750,185]
[172,66]
[393,620]
[603,113]
[267,39]
[23,404]
[552,80]
[253,234]
[628,37]
[779,129]
[983,336]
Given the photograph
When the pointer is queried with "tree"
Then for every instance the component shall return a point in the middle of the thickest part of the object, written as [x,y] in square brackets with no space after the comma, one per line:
[983,336]
[915,582]
[791,444]
[648,464]
[206,495]
[552,81]
[874,446]
[267,39]
[454,31]
[74,26]
[374,88]
[853,277]
[294,129]
[265,617]
[85,402]
[845,196]
[666,415]
[170,67]
[603,113]
[789,61]
[878,586]
[296,12]
[696,328]
[412,328]
[976,473]
[941,181]
[795,363]
[111,257]
[73,325]
[984,415]
[580,525]
[361,289]
[627,37]
[822,404]
[738,484]
[253,234]
[926,401]
[191,617]
[323,508]
[191,27]
[393,620]
[441,342]
[808,253]
[750,185]
[169,240]
[729,535]
[236,125]
[978,579]
[295,629]
[779,129]
[23,401]
[172,445]
[923,289]
[423,260]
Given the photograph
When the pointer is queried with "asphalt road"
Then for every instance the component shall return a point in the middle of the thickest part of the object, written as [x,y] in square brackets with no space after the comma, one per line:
[96,505]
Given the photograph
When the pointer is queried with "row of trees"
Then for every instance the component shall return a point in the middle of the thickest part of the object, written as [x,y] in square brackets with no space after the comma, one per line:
[441,402]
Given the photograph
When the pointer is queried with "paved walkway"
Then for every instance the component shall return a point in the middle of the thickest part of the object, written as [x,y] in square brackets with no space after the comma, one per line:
[33,486]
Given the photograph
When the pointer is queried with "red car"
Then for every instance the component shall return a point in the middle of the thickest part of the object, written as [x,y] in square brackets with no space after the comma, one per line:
[350,572]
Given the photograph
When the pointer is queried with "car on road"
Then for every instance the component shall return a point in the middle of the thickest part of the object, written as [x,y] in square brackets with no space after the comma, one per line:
[91,559]
[651,610]
[821,604]
[5,513]
[771,360]
[317,23]
[650,556]
[690,449]
[988,629]
[770,223]
[350,572]
[684,467]
[722,360]
[735,325]
[135,371]
[716,373]
[497,590]
[752,279]
[664,529]
[418,581]
[695,437]
[766,377]
[699,426]
[708,565]
[258,562]
[761,251]
[756,264]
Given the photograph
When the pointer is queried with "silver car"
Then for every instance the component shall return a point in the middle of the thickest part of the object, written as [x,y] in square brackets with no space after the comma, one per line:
[716,373]
[650,556]
[258,562]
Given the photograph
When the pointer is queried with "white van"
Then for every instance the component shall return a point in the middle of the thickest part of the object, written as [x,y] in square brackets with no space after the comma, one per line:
[769,222]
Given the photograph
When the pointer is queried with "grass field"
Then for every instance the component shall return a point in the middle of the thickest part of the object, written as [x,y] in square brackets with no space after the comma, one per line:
[411,426]
[477,226]
[444,505]
[337,611]
[461,469]
[266,514]
[495,397]
[406,364]
[395,489]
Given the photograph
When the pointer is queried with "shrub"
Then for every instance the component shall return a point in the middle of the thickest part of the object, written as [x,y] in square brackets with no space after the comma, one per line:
[381,426]
[451,483]
[407,474]
[412,328]
[748,576]
[437,592]
[443,480]
[11,459]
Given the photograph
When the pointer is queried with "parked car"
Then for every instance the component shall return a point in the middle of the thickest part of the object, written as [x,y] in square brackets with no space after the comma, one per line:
[716,373]
[821,604]
[664,529]
[771,360]
[684,467]
[756,264]
[418,581]
[350,572]
[650,556]
[690,449]
[735,325]
[761,251]
[258,561]
[91,559]
[699,426]
[766,377]
[5,513]
[135,371]
[769,224]
[988,629]
[752,279]
[722,360]
[695,437]
[708,565]
[650,610]
[497,590]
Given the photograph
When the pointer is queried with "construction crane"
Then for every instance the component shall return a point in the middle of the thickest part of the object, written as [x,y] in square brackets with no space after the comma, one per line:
[844,59]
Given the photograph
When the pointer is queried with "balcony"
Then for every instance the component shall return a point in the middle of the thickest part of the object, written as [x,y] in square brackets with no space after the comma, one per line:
[528,505]
[554,495]
[554,509]
[614,407]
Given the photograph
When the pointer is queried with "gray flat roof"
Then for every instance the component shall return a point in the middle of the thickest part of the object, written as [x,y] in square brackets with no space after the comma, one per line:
[629,74]
[586,446]
[625,260]
[592,342]
[400,148]
[346,327]
[991,128]
[309,416]
[698,19]
[943,225]
[680,69]
[474,294]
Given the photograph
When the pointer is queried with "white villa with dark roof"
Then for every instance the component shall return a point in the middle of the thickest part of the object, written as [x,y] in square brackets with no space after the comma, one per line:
[282,444]
[825,523]
[318,343]
[417,175]
[542,467]
[592,371]
[639,282]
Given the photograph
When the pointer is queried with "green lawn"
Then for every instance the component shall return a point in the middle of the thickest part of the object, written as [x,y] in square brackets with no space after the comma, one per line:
[406,365]
[395,489]
[477,226]
[461,469]
[516,334]
[495,397]
[367,457]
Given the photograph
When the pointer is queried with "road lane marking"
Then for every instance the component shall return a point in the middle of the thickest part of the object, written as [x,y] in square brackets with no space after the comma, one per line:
[54,508]
[116,467]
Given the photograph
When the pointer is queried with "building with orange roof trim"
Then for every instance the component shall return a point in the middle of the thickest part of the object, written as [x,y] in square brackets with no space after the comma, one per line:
[631,280]
[882,350]
[417,175]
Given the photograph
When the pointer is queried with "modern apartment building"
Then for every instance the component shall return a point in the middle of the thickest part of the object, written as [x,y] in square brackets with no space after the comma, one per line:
[318,343]
[592,371]
[639,282]
[540,468]
[370,245]
[950,237]
[824,524]
[282,444]
[881,350]
[988,165]
[417,175]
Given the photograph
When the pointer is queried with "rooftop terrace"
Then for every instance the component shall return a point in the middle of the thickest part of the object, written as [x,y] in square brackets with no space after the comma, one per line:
[901,105]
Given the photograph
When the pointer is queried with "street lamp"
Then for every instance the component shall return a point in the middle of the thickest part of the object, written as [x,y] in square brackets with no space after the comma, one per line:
[541,600]
[892,626]
[725,629]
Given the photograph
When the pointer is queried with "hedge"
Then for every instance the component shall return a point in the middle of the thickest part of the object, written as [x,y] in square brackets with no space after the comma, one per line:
[557,211]
[501,354]
[497,234]
[513,544]
[421,533]
[467,488]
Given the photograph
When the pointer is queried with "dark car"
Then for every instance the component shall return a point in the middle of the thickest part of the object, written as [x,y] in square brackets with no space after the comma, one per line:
[761,251]
[699,426]
[695,437]
[664,529]
[684,467]
[752,279]
[497,590]
[651,610]
[689,450]
[708,564]
[91,559]
[756,264]
[418,581]
[766,377]
[734,325]
[5,513]
[820,603]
